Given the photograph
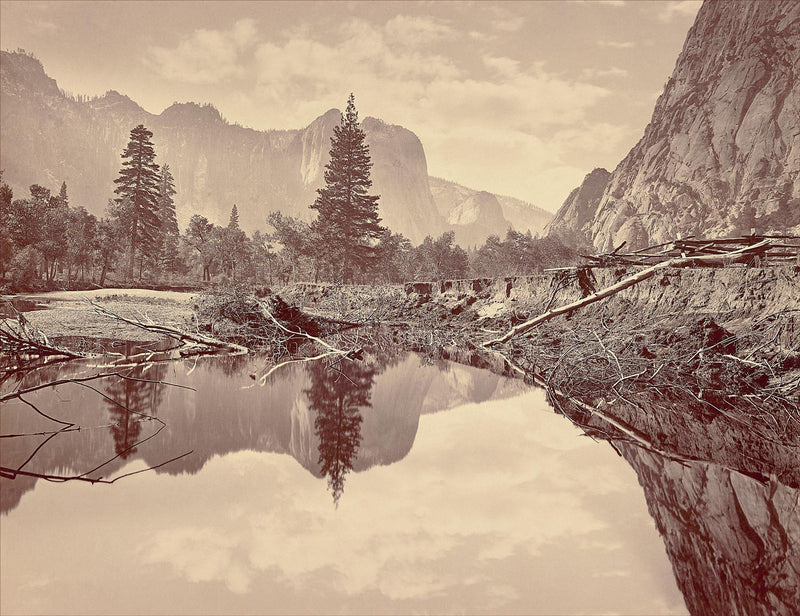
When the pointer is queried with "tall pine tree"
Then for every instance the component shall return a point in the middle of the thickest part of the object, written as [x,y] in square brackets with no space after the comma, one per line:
[169,232]
[347,222]
[137,187]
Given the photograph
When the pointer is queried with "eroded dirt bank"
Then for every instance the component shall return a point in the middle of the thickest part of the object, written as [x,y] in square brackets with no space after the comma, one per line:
[700,363]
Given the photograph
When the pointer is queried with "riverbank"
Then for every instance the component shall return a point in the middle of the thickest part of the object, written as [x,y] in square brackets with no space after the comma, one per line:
[696,364]
[710,348]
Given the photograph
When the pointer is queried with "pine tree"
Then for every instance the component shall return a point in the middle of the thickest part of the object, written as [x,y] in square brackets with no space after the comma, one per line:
[233,244]
[169,232]
[233,223]
[347,221]
[137,187]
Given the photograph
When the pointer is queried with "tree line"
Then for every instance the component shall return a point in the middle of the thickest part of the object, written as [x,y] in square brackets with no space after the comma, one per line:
[46,242]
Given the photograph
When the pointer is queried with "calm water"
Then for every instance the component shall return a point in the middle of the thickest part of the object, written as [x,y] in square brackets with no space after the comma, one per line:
[386,486]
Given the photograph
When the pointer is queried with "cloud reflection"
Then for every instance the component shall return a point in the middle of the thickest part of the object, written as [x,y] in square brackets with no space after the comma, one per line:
[480,504]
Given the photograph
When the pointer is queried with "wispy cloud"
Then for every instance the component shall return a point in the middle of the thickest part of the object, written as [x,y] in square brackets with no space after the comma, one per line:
[616,44]
[416,71]
[415,31]
[683,9]
[504,20]
[207,56]
[603,73]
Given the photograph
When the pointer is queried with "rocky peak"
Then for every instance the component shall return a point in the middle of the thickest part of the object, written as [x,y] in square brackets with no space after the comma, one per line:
[572,222]
[190,113]
[118,104]
[721,154]
[22,71]
[316,140]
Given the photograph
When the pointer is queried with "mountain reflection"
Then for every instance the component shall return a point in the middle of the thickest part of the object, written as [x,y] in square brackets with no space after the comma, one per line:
[725,498]
[337,394]
[309,411]
[128,401]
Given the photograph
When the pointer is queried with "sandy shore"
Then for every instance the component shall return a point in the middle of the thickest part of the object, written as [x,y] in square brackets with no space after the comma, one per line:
[69,313]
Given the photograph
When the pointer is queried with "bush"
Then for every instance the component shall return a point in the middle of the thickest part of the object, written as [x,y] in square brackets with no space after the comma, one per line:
[23,269]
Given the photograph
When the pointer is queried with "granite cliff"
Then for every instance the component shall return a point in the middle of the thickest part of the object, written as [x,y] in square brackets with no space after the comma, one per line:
[474,215]
[49,137]
[721,154]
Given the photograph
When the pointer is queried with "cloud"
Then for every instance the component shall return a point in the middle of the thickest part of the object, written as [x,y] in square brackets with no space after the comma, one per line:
[418,72]
[207,56]
[504,20]
[603,73]
[684,9]
[440,525]
[417,31]
[617,44]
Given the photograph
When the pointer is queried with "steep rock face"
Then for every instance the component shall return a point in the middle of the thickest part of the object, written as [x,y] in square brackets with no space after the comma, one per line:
[216,165]
[316,142]
[734,541]
[524,216]
[475,215]
[573,221]
[400,177]
[721,154]
[476,218]
[49,137]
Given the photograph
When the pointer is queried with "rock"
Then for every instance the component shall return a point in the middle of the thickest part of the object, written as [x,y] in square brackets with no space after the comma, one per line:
[573,221]
[721,154]
[475,215]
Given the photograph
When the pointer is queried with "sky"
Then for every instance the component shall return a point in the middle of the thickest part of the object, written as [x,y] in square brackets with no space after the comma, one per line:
[518,98]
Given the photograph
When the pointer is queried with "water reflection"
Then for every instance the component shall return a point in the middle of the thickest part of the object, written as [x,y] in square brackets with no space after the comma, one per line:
[499,507]
[130,400]
[733,540]
[725,497]
[337,395]
[333,419]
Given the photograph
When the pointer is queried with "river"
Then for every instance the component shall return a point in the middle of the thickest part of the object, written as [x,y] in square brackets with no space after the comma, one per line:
[394,485]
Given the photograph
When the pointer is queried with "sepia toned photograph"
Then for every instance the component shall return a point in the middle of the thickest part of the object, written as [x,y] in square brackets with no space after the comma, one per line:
[400,307]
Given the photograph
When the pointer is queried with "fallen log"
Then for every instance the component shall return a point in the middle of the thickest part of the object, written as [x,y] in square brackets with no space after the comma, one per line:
[186,338]
[735,256]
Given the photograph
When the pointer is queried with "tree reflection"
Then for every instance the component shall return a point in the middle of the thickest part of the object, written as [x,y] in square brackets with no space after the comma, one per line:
[129,401]
[337,394]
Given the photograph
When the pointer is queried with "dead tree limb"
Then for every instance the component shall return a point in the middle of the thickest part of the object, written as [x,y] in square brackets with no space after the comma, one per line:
[186,338]
[734,256]
[17,336]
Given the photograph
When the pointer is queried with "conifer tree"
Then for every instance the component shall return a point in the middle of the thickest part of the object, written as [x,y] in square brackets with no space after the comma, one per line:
[169,232]
[137,187]
[63,194]
[347,221]
[233,223]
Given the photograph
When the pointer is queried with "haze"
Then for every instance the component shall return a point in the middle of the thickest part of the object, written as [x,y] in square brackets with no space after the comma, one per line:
[516,98]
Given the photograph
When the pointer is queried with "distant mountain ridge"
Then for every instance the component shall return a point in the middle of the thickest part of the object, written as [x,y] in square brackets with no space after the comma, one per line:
[721,154]
[475,214]
[49,137]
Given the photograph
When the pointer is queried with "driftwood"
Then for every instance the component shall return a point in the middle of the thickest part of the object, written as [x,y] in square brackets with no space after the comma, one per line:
[18,337]
[185,338]
[735,256]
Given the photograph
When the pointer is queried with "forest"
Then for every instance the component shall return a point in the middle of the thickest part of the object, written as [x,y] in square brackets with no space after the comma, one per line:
[47,242]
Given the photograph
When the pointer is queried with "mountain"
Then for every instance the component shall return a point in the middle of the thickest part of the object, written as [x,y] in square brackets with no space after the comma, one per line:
[572,223]
[278,417]
[734,540]
[475,215]
[49,137]
[721,154]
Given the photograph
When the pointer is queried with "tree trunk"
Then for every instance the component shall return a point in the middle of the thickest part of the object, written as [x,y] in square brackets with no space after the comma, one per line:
[735,256]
